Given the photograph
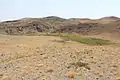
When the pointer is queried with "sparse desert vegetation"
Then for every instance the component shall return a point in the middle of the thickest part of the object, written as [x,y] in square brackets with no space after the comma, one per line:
[77,38]
[82,39]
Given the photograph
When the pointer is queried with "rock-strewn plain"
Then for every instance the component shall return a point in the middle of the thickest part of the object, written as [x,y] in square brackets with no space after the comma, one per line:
[43,58]
[38,57]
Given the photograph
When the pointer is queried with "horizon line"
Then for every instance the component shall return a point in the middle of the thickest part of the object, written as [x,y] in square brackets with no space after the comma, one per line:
[12,19]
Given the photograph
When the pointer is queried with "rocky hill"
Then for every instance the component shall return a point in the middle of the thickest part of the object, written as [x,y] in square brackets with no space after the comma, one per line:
[56,24]
[60,56]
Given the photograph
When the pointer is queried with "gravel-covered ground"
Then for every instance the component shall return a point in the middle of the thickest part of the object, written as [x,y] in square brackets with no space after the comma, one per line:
[48,58]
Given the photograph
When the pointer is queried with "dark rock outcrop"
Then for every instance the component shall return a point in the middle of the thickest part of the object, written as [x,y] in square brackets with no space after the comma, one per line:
[57,24]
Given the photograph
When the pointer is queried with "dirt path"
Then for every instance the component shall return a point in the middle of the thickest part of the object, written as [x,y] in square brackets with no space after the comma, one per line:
[42,58]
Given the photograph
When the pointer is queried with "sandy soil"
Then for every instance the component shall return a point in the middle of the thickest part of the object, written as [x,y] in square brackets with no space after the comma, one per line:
[43,58]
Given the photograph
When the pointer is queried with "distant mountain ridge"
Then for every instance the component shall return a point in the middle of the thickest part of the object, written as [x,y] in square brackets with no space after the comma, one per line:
[57,24]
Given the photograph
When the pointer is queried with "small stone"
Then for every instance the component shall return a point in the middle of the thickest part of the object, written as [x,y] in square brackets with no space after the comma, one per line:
[41,53]
[43,79]
[118,78]
[1,75]
[70,74]
[68,67]
[5,78]
[45,56]
[50,69]
[40,65]
[97,78]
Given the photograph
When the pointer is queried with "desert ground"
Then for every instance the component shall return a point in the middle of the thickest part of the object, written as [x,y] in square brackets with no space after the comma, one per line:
[49,58]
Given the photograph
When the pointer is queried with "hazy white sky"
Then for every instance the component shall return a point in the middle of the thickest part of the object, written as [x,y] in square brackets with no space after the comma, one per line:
[15,9]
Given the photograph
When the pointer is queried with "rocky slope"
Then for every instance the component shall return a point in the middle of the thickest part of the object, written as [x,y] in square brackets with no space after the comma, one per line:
[57,24]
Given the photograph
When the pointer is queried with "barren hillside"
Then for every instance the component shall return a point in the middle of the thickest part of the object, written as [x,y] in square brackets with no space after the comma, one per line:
[57,24]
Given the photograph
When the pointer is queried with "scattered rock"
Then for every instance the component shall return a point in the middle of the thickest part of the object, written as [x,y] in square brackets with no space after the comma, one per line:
[5,78]
[118,78]
[70,74]
[49,69]
[60,40]
[40,65]
[21,45]
[1,75]
[45,56]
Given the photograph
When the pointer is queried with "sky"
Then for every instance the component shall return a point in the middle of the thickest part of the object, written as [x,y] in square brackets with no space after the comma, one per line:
[16,9]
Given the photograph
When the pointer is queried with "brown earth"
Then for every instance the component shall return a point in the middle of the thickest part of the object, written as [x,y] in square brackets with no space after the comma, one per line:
[51,58]
[45,58]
